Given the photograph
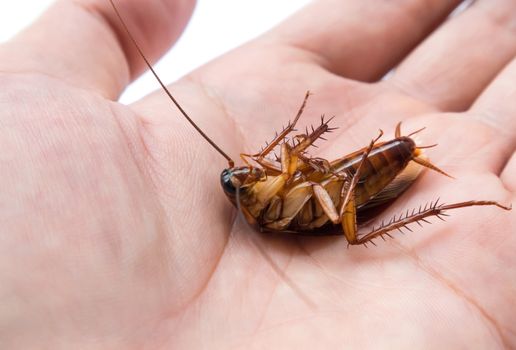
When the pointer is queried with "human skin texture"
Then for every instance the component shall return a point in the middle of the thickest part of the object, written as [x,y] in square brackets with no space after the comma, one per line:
[115,233]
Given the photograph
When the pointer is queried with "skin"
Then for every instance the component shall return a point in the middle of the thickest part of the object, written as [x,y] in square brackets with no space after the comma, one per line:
[116,234]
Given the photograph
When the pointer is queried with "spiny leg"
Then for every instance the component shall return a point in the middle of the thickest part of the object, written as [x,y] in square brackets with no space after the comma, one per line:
[307,140]
[281,136]
[318,164]
[273,185]
[349,219]
[295,152]
[292,203]
[347,213]
[273,166]
[434,209]
[297,197]
[297,158]
[324,199]
[347,191]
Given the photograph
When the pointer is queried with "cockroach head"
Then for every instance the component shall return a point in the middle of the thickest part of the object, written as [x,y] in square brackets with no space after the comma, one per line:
[239,177]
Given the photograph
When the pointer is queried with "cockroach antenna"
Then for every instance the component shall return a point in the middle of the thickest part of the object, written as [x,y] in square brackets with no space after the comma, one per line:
[213,144]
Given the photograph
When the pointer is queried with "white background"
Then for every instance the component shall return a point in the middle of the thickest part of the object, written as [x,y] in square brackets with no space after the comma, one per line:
[216,27]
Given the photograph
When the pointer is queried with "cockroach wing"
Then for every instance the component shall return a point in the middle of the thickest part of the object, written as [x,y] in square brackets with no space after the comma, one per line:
[393,190]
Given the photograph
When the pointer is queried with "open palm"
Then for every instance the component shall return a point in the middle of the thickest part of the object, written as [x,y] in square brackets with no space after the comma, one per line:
[115,232]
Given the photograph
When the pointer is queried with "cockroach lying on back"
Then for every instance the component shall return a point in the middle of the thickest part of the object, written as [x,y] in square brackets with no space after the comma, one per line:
[313,196]
[299,194]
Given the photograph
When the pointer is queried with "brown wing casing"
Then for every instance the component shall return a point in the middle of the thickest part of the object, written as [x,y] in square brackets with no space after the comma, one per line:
[386,161]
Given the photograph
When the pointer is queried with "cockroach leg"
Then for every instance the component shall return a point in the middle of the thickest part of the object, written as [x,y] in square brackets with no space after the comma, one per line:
[244,157]
[348,210]
[318,164]
[347,191]
[434,209]
[288,165]
[293,202]
[281,136]
[260,157]
[323,198]
[268,189]
[397,133]
[271,165]
[308,139]
[349,219]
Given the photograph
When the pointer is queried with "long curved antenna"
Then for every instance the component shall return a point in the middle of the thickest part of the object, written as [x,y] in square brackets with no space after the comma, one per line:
[213,144]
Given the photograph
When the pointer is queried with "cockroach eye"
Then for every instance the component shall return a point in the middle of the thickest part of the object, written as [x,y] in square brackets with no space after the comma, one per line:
[227,183]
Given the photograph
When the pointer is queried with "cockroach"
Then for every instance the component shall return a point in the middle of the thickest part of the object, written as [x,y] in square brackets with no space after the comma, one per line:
[304,195]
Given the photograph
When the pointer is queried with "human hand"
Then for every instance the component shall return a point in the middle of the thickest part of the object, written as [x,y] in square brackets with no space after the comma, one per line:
[115,232]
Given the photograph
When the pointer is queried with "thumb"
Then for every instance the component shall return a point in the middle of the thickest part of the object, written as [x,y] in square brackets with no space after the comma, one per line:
[82,42]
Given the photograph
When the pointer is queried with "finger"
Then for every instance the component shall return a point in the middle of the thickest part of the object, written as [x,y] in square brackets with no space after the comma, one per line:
[496,107]
[456,63]
[485,137]
[82,42]
[362,39]
[508,175]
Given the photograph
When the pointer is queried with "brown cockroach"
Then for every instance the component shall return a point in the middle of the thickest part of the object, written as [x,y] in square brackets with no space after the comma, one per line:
[304,195]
